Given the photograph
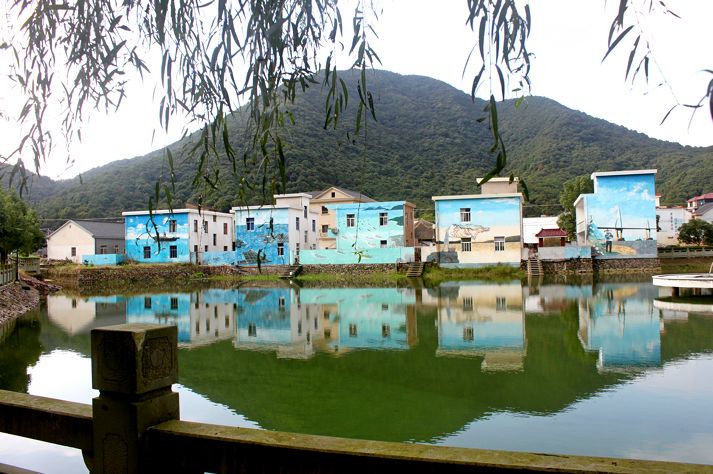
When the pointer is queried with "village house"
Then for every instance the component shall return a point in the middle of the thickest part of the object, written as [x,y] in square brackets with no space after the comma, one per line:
[618,220]
[179,236]
[669,221]
[78,238]
[327,220]
[479,229]
[276,234]
[371,232]
[531,226]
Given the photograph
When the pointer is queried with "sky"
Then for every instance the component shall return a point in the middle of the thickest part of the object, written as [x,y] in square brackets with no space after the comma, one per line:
[568,39]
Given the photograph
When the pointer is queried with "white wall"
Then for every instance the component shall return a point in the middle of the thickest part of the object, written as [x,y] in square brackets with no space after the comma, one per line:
[59,244]
[201,238]
[670,220]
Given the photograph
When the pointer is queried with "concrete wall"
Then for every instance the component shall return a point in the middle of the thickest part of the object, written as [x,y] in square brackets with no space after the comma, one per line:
[61,243]
[368,231]
[218,258]
[271,227]
[140,233]
[568,252]
[201,240]
[103,259]
[670,220]
[349,257]
[490,218]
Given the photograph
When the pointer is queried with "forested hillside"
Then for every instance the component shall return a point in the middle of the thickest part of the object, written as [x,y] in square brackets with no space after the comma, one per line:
[426,142]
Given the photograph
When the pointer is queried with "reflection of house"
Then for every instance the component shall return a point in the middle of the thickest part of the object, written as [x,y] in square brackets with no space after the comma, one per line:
[371,232]
[619,218]
[479,229]
[275,233]
[181,235]
[77,315]
[327,221]
[483,320]
[76,238]
[622,326]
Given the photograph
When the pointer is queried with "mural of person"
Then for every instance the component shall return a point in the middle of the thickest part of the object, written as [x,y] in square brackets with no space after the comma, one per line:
[608,237]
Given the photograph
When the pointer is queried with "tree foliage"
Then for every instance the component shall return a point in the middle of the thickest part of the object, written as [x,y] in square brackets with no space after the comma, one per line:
[19,227]
[571,189]
[696,232]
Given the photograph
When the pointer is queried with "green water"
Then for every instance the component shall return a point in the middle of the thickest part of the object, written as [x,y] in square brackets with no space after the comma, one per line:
[581,369]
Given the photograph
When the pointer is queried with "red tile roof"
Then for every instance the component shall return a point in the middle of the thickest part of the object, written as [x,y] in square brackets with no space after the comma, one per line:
[702,196]
[551,233]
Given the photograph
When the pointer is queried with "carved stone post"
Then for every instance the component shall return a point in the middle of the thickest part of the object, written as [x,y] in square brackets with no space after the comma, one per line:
[133,367]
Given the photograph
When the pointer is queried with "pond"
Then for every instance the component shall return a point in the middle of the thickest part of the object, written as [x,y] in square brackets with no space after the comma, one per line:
[610,369]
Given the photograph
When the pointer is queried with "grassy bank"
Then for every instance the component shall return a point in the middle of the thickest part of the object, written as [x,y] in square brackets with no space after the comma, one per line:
[686,265]
[434,275]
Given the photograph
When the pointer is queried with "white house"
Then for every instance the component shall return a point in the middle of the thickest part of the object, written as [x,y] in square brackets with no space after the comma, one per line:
[76,238]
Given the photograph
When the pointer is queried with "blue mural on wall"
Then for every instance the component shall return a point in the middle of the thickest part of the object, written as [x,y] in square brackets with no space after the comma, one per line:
[351,256]
[264,316]
[169,308]
[621,216]
[142,244]
[373,225]
[263,232]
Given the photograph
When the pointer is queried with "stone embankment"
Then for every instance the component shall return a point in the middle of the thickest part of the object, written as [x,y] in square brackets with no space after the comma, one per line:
[145,274]
[21,297]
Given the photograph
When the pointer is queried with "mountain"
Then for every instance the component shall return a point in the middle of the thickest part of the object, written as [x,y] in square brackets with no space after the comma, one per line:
[426,141]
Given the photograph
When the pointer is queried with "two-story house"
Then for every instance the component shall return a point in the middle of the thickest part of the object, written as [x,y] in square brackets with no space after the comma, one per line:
[322,203]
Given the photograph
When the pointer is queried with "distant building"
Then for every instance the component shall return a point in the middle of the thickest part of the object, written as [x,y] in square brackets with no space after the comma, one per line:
[532,225]
[321,202]
[76,238]
[669,220]
[178,236]
[698,201]
[704,212]
[551,238]
[479,229]
[619,218]
[424,232]
[276,234]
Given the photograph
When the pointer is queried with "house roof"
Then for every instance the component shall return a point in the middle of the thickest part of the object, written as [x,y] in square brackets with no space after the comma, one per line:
[551,233]
[704,209]
[348,192]
[702,196]
[423,229]
[98,229]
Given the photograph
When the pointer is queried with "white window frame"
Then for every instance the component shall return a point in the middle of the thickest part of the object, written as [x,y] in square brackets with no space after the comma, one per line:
[465,214]
[499,244]
[351,220]
[249,224]
[280,249]
[383,218]
[466,245]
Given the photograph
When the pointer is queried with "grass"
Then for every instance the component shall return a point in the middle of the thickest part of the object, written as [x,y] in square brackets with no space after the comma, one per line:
[434,275]
[685,265]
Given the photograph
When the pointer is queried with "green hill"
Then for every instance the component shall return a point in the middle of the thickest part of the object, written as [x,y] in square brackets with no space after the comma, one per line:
[426,142]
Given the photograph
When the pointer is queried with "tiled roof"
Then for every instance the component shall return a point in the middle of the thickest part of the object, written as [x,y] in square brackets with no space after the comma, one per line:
[704,209]
[348,192]
[103,229]
[702,196]
[551,233]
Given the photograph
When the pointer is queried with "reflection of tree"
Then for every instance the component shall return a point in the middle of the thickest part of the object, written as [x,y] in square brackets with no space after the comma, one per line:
[19,351]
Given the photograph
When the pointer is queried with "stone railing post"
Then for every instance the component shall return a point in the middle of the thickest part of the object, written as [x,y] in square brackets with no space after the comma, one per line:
[133,367]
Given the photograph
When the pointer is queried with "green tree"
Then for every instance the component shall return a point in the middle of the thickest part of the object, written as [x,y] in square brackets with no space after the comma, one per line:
[696,232]
[571,189]
[19,227]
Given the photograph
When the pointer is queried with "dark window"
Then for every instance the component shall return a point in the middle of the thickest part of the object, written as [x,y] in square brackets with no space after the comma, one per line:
[172,225]
[102,250]
[147,252]
[325,228]
[297,223]
[173,251]
[305,236]
[233,245]
[314,225]
[334,194]
[74,303]
[325,210]
[195,225]
[465,244]
[351,218]
[205,226]
[383,244]
[468,334]
[280,249]
[147,302]
[116,249]
[305,211]
[225,248]
[225,228]
[352,330]
[385,330]
[206,248]
[250,223]
[215,239]
[195,249]
[174,302]
[383,218]
[465,214]
[215,218]
[468,303]
[74,251]
[252,330]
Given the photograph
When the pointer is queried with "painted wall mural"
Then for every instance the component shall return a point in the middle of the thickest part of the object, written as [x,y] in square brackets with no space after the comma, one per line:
[478,231]
[142,245]
[264,232]
[621,216]
[351,256]
[375,225]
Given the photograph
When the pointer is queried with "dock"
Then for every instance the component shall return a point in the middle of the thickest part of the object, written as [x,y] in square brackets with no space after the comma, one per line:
[696,281]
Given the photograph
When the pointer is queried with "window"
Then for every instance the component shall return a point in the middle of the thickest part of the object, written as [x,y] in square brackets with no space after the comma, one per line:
[325,210]
[173,251]
[172,225]
[147,252]
[195,249]
[206,248]
[465,214]
[281,302]
[350,220]
[205,226]
[147,302]
[215,239]
[252,330]
[198,327]
[102,250]
[314,225]
[215,218]
[233,246]
[334,194]
[297,249]
[305,236]
[501,303]
[174,302]
[227,322]
[384,307]
[195,225]
[297,223]
[468,304]
[305,211]
[352,330]
[383,218]
[299,328]
[225,228]
[468,333]
[280,249]
[74,303]
[225,248]
[499,244]
[325,228]
[465,244]
[385,330]
[250,223]
[116,249]
[383,244]
[74,251]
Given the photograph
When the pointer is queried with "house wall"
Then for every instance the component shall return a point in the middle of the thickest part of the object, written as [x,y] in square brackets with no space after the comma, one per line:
[368,232]
[218,258]
[627,201]
[670,220]
[352,257]
[200,239]
[328,239]
[491,217]
[104,259]
[533,225]
[263,239]
[110,246]
[140,232]
[60,244]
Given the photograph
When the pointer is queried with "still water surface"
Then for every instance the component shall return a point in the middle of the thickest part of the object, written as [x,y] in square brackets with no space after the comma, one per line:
[602,370]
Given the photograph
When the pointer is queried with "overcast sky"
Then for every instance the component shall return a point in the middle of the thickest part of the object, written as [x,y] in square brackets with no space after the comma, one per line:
[430,38]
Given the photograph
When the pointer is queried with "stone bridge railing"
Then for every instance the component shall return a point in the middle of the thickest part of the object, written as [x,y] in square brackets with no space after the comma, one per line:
[134,426]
